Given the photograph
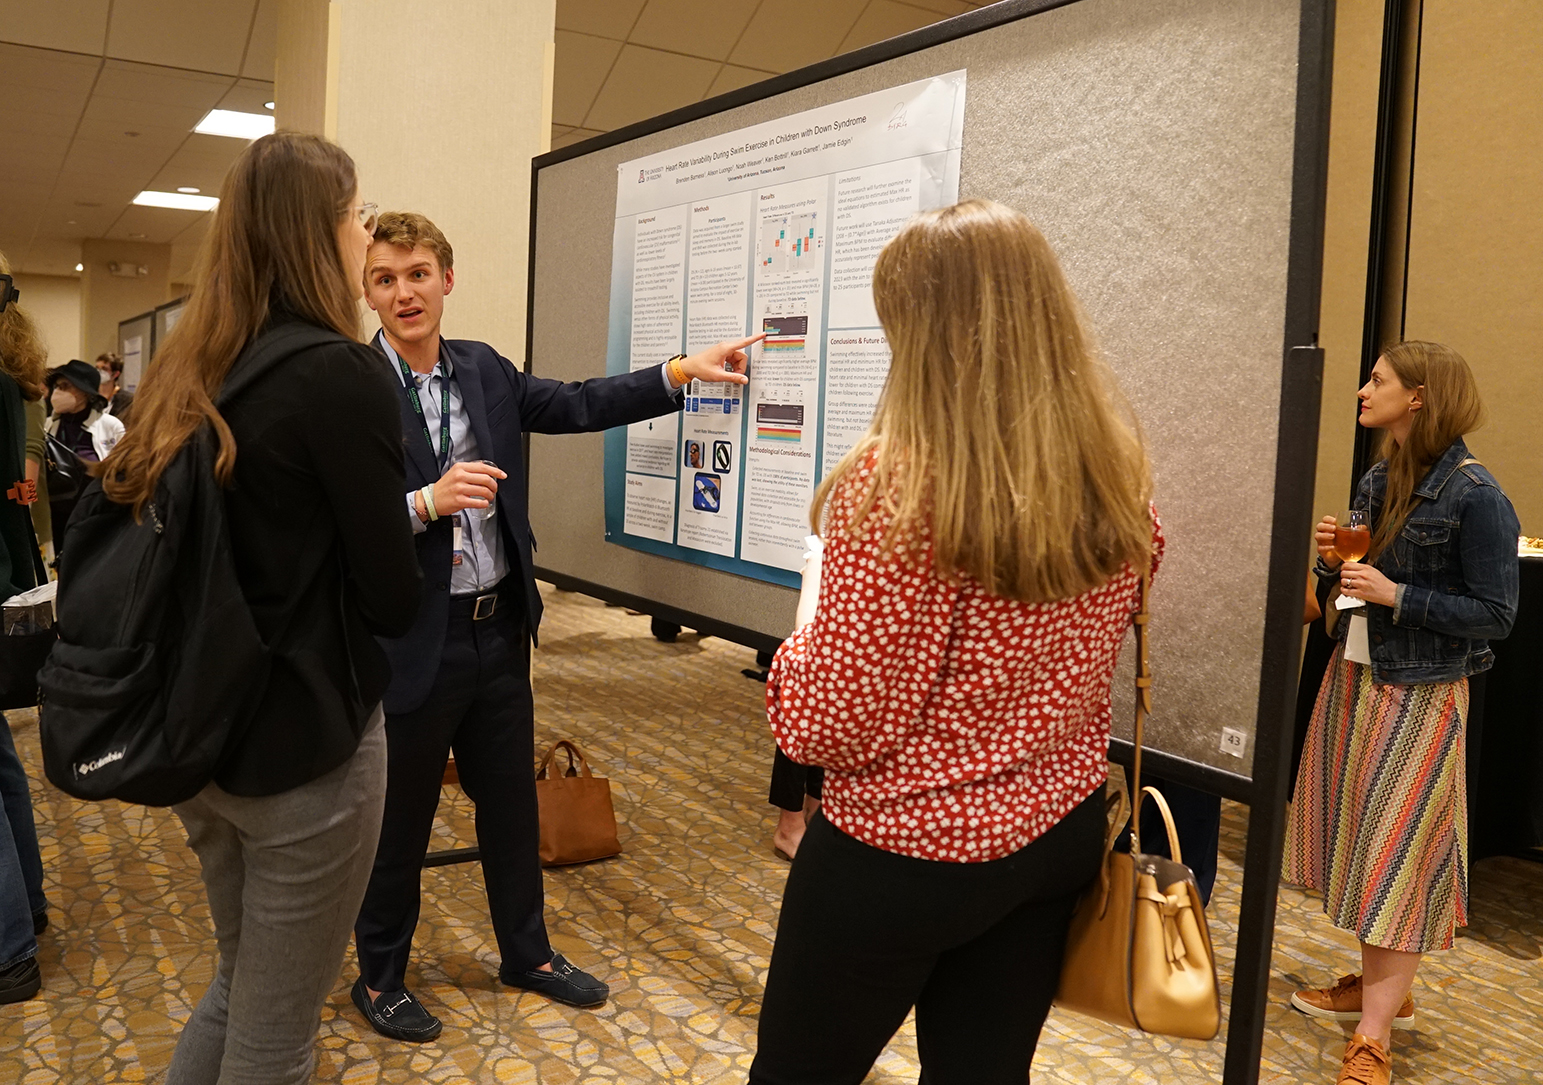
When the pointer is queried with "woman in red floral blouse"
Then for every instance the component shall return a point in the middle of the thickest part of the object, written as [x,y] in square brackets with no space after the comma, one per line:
[951,668]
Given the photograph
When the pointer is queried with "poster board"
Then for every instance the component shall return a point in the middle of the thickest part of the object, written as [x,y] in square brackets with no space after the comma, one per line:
[166,317]
[135,342]
[1174,152]
[1167,150]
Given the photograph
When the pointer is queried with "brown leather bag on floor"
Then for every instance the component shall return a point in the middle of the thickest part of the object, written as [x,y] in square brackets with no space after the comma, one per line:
[578,823]
[1139,953]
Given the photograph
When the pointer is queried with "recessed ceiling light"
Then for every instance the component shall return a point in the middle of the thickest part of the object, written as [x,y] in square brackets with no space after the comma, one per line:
[69,222]
[190,190]
[229,122]
[80,267]
[136,237]
[180,201]
[267,105]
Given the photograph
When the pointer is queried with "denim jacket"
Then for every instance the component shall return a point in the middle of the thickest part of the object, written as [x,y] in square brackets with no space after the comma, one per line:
[1457,573]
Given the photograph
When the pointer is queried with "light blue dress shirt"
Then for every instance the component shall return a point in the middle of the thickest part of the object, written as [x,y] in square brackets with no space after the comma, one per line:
[483,563]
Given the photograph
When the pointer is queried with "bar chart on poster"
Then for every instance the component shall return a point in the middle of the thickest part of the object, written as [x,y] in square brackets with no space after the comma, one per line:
[768,230]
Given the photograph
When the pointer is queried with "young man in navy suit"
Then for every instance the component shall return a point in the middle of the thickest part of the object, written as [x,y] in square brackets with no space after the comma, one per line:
[461,676]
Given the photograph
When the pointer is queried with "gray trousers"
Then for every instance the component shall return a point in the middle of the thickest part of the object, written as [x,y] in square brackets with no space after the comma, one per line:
[285,875]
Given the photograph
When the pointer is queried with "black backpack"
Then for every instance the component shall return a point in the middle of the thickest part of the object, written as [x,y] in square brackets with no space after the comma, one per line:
[159,665]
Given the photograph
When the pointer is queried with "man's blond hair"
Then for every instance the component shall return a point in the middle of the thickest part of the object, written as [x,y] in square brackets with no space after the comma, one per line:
[409,230]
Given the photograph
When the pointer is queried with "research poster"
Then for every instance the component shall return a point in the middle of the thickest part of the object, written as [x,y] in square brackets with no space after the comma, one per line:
[771,229]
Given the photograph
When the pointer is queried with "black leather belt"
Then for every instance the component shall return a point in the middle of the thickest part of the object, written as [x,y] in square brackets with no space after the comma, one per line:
[483,606]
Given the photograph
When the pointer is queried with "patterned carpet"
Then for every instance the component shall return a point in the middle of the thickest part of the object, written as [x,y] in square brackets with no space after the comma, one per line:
[680,925]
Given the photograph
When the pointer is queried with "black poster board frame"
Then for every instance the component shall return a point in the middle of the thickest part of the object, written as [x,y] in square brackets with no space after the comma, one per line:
[1265,791]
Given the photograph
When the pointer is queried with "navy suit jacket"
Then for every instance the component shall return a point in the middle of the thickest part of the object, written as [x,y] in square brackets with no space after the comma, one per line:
[502,404]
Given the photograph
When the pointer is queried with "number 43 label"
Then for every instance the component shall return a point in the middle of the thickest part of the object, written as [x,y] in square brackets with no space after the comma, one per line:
[1234,741]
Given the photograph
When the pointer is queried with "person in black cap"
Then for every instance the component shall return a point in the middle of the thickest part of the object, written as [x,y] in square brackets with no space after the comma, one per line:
[80,423]
[79,420]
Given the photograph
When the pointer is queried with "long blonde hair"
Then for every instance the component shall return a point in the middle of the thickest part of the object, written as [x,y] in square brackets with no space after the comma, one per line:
[1449,407]
[23,357]
[273,244]
[999,427]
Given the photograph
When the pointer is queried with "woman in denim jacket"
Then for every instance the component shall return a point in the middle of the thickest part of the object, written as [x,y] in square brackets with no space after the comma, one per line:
[1380,821]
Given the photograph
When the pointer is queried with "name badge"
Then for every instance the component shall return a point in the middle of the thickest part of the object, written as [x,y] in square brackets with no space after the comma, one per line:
[455,543]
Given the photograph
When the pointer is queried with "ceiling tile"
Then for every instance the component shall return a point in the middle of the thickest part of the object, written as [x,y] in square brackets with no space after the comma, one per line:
[126,115]
[148,83]
[47,69]
[193,34]
[248,96]
[262,48]
[574,135]
[646,82]
[886,19]
[704,28]
[18,123]
[733,77]
[51,103]
[581,66]
[160,225]
[607,18]
[788,34]
[79,26]
[151,139]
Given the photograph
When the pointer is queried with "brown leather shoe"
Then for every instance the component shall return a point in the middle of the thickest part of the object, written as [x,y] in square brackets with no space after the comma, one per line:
[1367,1062]
[1342,1002]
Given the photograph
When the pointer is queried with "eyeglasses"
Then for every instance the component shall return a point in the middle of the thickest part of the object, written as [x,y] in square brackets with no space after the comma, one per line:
[369,215]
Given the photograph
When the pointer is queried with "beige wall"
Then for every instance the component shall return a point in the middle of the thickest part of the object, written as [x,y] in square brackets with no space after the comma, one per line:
[107,298]
[54,302]
[1347,228]
[1476,237]
[448,128]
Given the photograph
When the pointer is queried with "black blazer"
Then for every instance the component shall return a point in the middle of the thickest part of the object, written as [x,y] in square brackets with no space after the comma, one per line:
[323,553]
[502,404]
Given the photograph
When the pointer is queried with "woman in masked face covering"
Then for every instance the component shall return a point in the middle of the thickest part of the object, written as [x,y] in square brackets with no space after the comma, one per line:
[78,421]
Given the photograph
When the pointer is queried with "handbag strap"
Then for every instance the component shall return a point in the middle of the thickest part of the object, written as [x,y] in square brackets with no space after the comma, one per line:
[1173,831]
[1143,704]
[578,764]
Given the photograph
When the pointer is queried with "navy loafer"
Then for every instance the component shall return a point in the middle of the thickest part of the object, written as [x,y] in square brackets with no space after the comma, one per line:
[396,1014]
[565,983]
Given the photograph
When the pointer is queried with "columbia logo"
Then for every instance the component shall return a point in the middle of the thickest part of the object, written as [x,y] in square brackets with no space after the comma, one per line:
[91,766]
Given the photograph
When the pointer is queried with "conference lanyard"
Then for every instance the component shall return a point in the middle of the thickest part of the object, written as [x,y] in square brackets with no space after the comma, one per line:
[444,411]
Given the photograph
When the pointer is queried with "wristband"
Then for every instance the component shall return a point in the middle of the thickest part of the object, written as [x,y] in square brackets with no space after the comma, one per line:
[428,502]
[677,372]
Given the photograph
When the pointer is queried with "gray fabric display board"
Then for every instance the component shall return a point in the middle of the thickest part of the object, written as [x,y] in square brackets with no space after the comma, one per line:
[1173,153]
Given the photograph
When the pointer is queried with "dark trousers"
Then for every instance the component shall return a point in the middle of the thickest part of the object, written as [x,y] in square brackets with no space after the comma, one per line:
[1197,815]
[790,782]
[480,707]
[976,948]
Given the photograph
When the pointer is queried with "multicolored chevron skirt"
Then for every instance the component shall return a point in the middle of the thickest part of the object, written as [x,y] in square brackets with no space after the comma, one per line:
[1379,823]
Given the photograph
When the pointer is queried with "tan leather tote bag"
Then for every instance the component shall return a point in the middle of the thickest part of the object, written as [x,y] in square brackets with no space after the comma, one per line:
[1139,952]
[578,823]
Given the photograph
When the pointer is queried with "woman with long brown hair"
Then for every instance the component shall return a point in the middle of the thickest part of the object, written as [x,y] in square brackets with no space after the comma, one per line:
[1379,824]
[982,555]
[311,455]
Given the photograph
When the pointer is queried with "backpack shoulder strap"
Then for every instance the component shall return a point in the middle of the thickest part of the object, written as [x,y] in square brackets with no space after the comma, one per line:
[269,349]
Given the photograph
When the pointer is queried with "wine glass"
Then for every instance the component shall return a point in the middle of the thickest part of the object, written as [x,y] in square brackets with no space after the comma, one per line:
[1352,539]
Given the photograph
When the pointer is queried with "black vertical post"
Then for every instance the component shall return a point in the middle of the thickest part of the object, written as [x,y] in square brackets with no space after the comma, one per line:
[1296,458]
[1389,205]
